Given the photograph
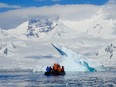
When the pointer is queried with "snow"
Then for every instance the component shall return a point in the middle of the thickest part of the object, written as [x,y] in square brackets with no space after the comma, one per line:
[85,43]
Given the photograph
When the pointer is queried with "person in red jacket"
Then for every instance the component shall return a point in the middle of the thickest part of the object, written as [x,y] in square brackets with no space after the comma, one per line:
[62,69]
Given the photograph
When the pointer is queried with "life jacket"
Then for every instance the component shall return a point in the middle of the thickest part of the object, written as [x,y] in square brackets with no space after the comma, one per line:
[58,65]
[55,67]
[59,69]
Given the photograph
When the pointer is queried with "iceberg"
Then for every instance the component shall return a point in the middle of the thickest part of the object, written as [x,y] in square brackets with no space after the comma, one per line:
[73,61]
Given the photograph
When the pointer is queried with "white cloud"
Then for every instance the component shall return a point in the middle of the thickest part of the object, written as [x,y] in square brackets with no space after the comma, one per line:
[4,5]
[66,12]
[111,1]
[14,17]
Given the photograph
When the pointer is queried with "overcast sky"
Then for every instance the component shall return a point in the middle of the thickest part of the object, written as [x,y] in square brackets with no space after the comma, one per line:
[14,12]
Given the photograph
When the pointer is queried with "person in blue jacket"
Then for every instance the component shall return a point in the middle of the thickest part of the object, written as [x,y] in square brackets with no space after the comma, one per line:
[48,69]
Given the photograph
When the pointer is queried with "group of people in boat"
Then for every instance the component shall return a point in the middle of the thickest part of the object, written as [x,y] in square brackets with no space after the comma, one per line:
[55,70]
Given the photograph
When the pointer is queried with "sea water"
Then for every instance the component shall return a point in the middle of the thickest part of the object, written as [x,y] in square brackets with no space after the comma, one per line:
[27,78]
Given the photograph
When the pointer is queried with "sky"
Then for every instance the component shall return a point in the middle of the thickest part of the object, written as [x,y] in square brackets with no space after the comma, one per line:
[15,12]
[6,5]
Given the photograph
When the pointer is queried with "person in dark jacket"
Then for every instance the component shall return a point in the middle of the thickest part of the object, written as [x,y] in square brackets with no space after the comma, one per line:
[48,69]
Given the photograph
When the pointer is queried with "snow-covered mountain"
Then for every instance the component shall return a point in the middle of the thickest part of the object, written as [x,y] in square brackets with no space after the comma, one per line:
[35,27]
[6,42]
[29,45]
[96,26]
[107,54]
